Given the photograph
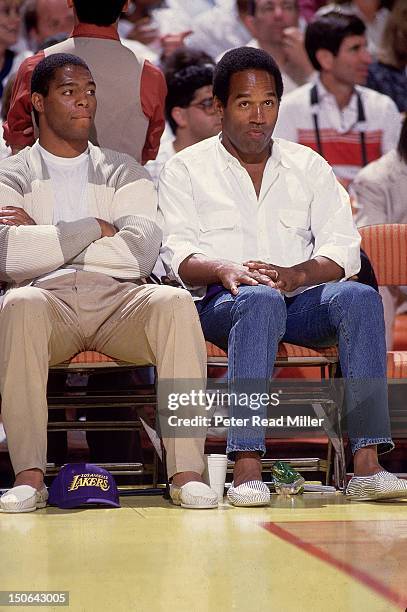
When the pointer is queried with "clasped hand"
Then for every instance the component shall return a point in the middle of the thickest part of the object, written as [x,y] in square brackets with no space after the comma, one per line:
[13,215]
[285,279]
[254,273]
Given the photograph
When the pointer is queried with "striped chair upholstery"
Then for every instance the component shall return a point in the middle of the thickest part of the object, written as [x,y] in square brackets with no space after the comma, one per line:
[386,246]
[397,364]
[89,359]
[288,354]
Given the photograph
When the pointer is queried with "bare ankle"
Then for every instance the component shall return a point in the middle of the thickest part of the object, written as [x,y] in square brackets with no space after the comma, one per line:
[366,462]
[181,478]
[247,467]
[34,478]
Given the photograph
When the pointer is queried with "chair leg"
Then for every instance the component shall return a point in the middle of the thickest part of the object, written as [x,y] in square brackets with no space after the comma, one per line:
[340,467]
[328,463]
[336,440]
[155,470]
[167,482]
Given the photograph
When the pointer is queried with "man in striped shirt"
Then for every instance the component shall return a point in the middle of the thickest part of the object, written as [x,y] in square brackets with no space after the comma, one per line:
[348,124]
[78,237]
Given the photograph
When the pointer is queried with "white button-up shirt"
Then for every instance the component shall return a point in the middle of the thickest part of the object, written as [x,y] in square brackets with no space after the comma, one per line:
[209,206]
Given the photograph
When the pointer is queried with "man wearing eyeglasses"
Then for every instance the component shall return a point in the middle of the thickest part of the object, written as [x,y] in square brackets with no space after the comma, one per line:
[189,106]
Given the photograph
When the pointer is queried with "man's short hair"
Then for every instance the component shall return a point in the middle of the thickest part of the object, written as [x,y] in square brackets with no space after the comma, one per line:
[45,70]
[99,12]
[186,70]
[329,31]
[239,60]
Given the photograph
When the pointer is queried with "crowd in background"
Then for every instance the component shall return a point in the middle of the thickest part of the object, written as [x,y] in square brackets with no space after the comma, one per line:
[185,39]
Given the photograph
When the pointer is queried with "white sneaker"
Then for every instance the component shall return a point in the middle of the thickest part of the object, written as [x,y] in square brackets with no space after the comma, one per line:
[382,485]
[252,493]
[194,495]
[23,498]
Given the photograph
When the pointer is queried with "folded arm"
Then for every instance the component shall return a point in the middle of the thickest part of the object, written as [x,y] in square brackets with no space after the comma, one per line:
[132,252]
[28,251]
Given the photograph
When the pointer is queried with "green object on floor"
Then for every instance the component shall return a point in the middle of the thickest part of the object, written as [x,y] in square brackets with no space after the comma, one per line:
[287,481]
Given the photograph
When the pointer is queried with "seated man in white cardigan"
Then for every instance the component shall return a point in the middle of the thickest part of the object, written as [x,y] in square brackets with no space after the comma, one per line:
[78,237]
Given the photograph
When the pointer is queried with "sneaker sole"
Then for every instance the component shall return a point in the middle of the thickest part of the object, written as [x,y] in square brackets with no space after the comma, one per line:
[379,496]
[38,506]
[11,511]
[192,507]
[249,504]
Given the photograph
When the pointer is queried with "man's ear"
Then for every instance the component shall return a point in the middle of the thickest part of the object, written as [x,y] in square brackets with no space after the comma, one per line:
[178,114]
[248,21]
[325,58]
[37,101]
[69,3]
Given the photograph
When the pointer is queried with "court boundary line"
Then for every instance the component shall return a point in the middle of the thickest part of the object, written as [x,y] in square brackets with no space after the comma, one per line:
[347,568]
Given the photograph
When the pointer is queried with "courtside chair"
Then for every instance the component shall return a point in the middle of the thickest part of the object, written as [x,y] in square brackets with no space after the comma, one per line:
[141,397]
[386,246]
[292,355]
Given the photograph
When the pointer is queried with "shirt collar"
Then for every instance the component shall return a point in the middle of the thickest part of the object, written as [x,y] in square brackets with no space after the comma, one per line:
[226,159]
[88,30]
[324,93]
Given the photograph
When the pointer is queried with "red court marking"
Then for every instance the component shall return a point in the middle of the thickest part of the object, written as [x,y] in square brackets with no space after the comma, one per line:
[347,568]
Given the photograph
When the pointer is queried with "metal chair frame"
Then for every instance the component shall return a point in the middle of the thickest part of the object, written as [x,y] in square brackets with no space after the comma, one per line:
[335,450]
[137,397]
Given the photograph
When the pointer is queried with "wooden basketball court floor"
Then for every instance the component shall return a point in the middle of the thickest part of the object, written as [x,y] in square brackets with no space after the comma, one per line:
[306,553]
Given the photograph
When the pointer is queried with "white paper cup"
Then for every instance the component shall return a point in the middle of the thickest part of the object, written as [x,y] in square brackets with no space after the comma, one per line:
[215,473]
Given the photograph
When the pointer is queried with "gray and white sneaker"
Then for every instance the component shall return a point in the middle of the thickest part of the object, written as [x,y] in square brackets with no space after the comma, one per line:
[194,495]
[382,485]
[252,493]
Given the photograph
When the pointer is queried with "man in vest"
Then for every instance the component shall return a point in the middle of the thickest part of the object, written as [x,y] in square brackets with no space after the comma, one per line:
[131,91]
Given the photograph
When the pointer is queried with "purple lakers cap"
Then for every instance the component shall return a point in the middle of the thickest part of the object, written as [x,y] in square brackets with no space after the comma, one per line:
[78,484]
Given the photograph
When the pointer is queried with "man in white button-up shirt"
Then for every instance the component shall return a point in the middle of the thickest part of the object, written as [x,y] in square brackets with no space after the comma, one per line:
[259,231]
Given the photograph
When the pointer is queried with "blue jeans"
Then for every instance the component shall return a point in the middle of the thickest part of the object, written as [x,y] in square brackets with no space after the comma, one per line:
[250,326]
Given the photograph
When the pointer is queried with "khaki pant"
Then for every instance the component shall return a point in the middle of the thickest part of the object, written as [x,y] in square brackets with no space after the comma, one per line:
[50,322]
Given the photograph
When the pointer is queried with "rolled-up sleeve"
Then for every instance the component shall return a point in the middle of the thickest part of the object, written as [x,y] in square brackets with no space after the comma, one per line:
[332,225]
[178,217]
